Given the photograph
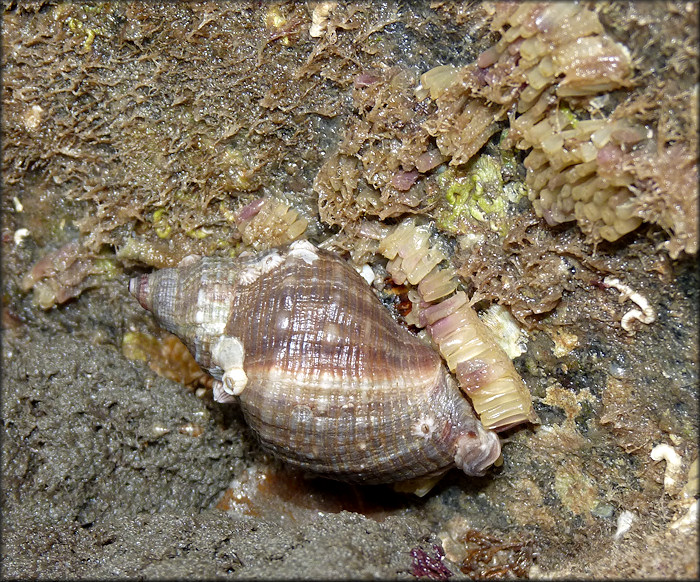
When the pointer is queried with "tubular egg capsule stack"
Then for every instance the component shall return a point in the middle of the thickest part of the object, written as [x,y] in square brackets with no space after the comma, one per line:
[483,370]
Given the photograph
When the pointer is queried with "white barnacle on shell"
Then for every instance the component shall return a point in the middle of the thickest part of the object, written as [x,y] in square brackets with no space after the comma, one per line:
[424,427]
[270,262]
[220,395]
[228,354]
[251,273]
[303,250]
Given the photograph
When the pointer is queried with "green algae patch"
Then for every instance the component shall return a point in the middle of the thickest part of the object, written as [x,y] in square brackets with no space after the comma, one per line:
[477,194]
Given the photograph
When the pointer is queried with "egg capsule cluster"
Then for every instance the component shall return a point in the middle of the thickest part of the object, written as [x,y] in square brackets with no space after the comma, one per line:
[484,371]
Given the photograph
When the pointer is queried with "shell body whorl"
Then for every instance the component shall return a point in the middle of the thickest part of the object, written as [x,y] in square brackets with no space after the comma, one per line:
[327,379]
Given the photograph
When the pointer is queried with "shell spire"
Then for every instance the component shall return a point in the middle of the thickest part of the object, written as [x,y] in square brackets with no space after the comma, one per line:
[138,287]
[154,292]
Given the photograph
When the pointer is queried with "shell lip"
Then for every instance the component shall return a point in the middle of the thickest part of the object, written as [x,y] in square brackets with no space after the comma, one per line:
[477,451]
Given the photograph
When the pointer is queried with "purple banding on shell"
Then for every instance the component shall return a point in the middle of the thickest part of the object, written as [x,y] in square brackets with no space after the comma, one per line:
[138,287]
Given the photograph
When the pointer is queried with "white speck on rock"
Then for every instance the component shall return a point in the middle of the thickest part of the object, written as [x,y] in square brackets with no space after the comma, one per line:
[624,523]
[664,452]
[645,314]
[20,235]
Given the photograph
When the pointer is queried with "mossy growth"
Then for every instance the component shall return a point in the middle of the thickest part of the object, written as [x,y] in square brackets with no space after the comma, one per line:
[81,23]
[107,267]
[139,346]
[477,194]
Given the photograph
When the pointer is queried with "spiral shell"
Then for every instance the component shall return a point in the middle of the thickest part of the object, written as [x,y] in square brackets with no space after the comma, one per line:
[326,378]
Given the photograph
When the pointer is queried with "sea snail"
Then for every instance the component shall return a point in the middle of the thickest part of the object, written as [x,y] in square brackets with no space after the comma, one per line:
[326,378]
